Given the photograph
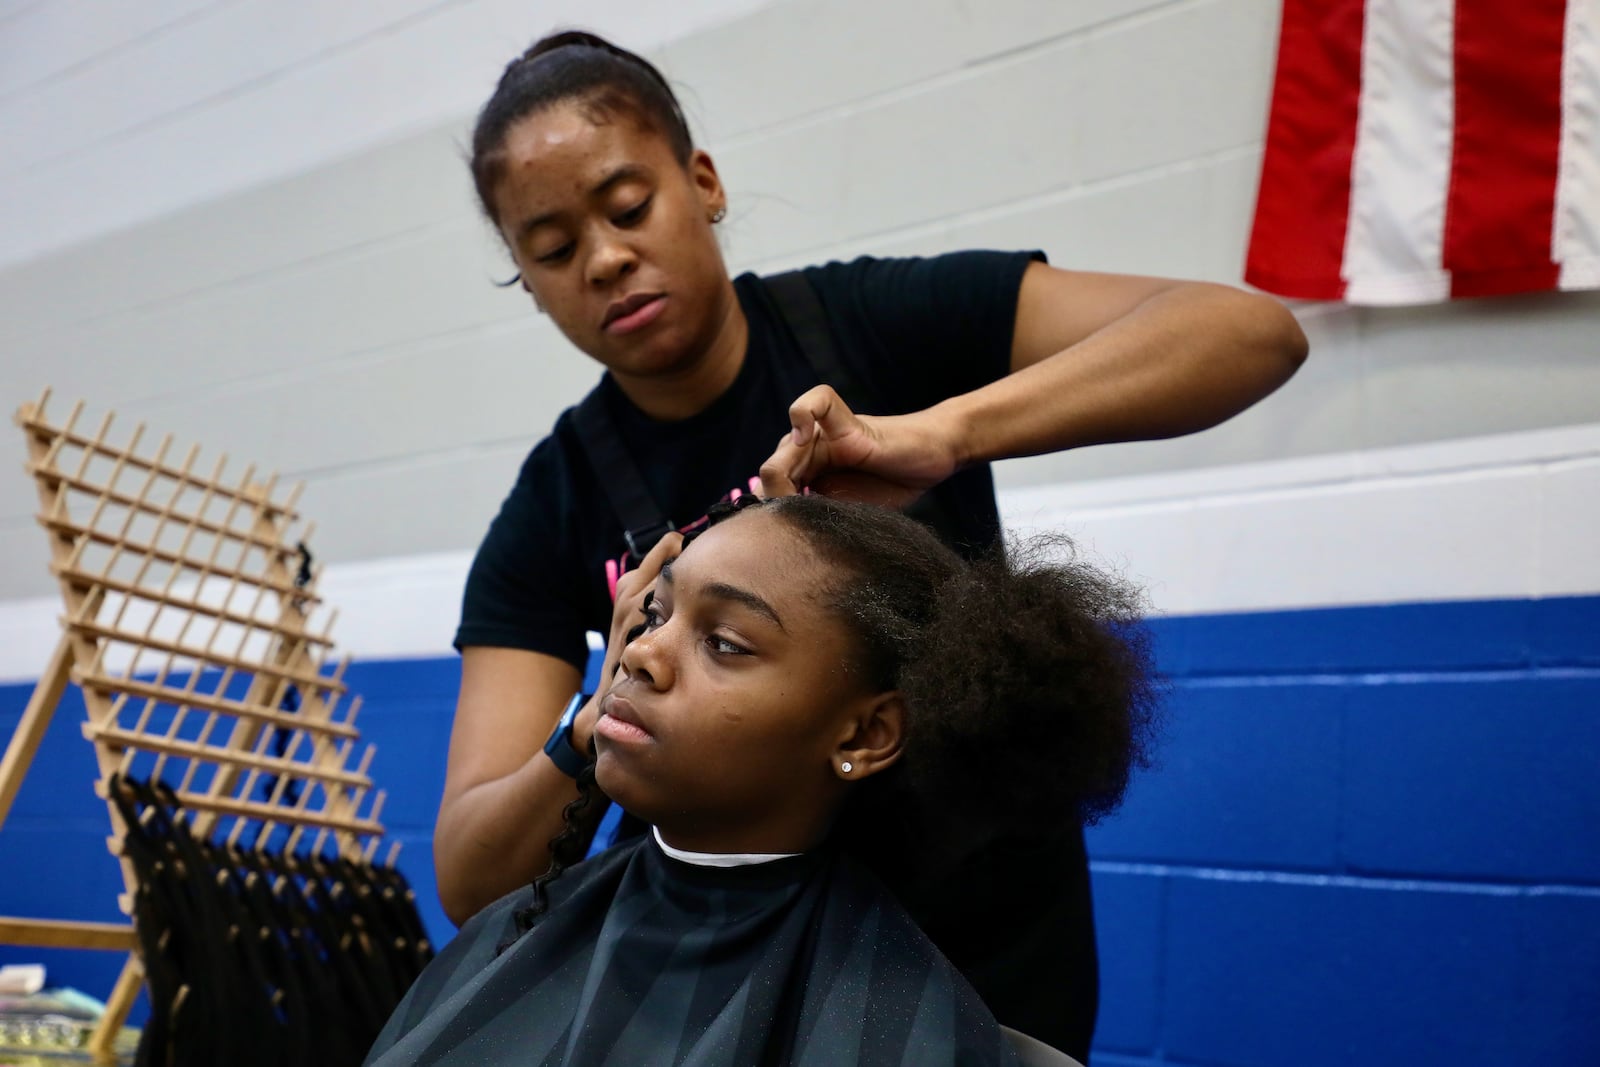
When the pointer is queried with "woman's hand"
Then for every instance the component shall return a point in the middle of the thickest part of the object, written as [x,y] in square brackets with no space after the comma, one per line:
[1095,358]
[880,459]
[626,613]
[503,797]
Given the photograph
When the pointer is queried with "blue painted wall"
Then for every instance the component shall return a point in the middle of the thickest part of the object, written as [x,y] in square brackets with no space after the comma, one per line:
[1371,838]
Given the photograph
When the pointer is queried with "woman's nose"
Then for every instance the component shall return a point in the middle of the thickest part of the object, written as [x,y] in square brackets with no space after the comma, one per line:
[611,261]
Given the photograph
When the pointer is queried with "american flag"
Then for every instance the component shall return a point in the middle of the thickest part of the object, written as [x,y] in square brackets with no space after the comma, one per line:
[1421,150]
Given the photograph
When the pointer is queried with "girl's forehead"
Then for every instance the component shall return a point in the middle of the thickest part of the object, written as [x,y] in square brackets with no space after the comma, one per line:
[757,549]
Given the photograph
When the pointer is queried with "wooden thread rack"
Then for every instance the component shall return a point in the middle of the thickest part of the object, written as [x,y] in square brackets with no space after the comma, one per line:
[187,624]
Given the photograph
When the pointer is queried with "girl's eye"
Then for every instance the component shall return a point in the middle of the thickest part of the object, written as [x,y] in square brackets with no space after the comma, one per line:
[634,215]
[723,647]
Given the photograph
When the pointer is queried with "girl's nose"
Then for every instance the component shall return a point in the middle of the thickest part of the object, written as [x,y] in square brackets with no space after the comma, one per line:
[647,659]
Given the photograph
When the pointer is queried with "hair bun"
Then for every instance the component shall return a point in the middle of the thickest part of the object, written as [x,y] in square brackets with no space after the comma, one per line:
[569,39]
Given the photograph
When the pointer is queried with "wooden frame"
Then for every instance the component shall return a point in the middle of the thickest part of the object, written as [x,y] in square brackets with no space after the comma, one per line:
[189,632]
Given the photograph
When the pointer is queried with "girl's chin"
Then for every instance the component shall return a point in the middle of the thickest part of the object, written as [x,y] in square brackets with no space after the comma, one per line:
[605,771]
[613,778]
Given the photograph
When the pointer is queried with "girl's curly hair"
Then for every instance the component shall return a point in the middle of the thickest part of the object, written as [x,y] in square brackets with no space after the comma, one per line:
[1027,678]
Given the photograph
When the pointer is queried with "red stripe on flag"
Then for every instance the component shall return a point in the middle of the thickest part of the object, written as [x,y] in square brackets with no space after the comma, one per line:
[1507,144]
[1297,242]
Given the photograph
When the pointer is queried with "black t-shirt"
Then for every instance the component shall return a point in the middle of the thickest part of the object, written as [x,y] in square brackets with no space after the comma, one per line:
[912,332]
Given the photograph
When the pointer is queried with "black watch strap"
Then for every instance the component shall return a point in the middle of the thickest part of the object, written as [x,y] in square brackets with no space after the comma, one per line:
[568,760]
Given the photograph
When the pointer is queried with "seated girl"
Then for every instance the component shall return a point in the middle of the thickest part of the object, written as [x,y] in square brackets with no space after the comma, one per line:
[822,705]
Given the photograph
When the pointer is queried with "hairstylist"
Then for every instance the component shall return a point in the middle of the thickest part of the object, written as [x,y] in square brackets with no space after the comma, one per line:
[584,164]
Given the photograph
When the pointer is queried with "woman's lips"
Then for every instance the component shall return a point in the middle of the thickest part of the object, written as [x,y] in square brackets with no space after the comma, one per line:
[637,318]
[619,721]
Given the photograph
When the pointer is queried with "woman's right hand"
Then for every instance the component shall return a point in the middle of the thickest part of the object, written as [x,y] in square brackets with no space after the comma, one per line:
[503,797]
[626,613]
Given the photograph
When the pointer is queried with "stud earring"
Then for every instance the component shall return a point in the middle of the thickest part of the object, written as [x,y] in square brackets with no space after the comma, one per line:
[846,767]
[718,215]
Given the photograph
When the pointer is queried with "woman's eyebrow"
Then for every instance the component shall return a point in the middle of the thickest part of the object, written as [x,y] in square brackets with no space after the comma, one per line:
[617,175]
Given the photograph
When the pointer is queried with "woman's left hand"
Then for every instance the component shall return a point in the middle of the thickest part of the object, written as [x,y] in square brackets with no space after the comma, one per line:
[879,459]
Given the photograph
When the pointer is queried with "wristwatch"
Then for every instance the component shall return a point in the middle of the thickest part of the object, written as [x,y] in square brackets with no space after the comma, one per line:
[560,748]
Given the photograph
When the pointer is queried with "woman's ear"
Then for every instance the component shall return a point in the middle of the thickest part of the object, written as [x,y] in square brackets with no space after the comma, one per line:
[877,736]
[703,173]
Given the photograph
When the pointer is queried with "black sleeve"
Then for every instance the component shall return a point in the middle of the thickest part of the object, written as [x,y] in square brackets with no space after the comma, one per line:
[521,591]
[941,326]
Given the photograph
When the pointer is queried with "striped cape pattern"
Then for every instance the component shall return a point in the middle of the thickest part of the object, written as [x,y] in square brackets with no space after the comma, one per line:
[1423,150]
[644,960]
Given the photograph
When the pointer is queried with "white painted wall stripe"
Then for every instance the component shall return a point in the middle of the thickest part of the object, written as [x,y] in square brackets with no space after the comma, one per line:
[1575,242]
[1504,517]
[1487,518]
[1394,238]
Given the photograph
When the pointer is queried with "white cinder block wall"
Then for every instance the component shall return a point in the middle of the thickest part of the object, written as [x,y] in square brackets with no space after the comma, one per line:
[249,224]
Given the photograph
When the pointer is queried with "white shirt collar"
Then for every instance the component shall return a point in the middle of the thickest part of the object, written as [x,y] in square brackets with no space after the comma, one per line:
[719,859]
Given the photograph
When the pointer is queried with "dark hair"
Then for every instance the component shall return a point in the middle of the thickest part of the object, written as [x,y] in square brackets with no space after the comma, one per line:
[573,66]
[1027,678]
[566,848]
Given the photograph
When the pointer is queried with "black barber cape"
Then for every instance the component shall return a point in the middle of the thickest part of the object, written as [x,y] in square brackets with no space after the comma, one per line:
[642,959]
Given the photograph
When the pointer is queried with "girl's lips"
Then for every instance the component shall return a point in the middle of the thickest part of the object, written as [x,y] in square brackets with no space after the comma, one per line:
[619,721]
[613,729]
[637,319]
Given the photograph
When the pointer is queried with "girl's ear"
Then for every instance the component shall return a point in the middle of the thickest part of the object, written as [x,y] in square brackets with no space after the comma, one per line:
[876,739]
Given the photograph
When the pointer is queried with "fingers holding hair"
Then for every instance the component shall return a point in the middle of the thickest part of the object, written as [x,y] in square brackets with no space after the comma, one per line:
[633,591]
[820,422]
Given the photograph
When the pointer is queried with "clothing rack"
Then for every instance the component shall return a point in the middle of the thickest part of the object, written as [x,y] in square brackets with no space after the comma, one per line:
[188,602]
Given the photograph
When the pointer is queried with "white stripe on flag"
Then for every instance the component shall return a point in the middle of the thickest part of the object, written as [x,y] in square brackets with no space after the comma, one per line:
[1394,241]
[1575,240]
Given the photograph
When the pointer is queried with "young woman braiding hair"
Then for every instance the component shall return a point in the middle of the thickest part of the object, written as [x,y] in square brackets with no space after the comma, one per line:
[608,209]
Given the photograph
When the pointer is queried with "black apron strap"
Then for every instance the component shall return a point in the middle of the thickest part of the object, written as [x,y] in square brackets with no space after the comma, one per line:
[802,312]
[642,520]
[643,523]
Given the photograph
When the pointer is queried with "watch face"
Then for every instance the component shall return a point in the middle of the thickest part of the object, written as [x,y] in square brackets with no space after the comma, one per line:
[558,736]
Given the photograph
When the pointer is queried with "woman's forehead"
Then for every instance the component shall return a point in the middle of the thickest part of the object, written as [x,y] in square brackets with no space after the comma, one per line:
[573,134]
[557,159]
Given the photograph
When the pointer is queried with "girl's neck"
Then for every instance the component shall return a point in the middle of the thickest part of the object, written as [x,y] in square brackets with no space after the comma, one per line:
[718,859]
[697,383]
